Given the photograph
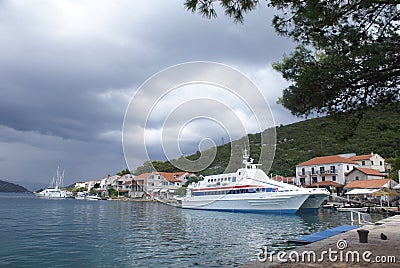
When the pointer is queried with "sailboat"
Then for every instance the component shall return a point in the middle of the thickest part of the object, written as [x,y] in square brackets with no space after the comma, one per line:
[54,190]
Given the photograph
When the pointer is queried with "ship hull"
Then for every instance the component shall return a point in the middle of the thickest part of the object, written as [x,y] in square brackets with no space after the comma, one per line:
[315,200]
[279,202]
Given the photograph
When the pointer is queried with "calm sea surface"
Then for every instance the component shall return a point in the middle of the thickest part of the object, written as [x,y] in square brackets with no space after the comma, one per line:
[78,233]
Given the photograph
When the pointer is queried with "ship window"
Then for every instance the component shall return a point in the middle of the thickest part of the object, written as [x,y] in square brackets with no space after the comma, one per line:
[233,179]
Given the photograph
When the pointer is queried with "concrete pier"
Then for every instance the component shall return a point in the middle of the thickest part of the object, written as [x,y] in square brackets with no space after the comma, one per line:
[344,250]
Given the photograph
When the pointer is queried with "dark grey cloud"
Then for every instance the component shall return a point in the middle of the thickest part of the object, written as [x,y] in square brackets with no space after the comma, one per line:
[69,68]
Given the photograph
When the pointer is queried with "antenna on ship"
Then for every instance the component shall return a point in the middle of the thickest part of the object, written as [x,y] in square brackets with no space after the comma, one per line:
[246,157]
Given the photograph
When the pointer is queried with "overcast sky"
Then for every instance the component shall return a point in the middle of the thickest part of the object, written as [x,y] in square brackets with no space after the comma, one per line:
[68,70]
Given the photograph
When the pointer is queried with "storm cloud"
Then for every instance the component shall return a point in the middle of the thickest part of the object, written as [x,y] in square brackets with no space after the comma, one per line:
[68,70]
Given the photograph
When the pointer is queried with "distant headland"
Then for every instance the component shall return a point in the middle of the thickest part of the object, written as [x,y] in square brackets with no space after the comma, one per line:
[8,187]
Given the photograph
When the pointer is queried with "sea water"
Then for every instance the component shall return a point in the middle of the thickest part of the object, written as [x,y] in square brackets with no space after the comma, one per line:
[79,233]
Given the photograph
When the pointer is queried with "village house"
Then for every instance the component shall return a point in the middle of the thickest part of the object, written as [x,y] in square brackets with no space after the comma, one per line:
[326,168]
[91,185]
[79,185]
[139,187]
[123,185]
[163,184]
[364,174]
[107,182]
[372,161]
[341,169]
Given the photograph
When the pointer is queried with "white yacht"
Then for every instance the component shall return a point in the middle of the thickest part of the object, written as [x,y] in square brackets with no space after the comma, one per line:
[247,190]
[54,190]
[93,197]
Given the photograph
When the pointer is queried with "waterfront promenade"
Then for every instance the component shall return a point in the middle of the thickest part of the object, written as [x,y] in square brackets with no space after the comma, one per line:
[345,250]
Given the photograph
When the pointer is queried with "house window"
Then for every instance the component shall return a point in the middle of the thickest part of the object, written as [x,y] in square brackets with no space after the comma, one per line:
[323,178]
[348,168]
[302,181]
[312,171]
[363,163]
[372,163]
[314,179]
[303,171]
[333,178]
[332,168]
[322,170]
[380,163]
[357,178]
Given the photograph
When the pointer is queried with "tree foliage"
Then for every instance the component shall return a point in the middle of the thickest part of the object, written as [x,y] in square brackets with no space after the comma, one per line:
[348,53]
[123,172]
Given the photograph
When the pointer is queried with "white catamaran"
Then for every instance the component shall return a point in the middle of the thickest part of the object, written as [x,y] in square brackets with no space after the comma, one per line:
[54,190]
[247,190]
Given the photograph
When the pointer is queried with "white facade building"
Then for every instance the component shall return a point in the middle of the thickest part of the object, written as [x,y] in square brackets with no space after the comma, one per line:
[371,161]
[327,168]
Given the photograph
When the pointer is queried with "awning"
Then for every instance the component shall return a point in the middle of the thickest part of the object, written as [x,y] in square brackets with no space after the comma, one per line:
[362,191]
[156,190]
[164,190]
[385,192]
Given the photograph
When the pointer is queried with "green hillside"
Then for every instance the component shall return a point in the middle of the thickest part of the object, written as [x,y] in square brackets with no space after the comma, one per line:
[378,131]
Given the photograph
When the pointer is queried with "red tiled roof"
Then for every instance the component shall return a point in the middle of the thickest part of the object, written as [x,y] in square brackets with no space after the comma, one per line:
[171,177]
[360,157]
[326,183]
[142,176]
[283,179]
[367,184]
[368,171]
[327,160]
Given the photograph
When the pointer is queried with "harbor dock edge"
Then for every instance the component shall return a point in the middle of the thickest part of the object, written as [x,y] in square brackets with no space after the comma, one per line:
[343,250]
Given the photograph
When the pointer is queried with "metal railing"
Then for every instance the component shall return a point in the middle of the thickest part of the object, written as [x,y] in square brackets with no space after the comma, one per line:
[360,218]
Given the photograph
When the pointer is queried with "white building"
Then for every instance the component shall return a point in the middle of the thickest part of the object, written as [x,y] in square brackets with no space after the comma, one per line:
[364,174]
[326,168]
[162,184]
[79,185]
[371,161]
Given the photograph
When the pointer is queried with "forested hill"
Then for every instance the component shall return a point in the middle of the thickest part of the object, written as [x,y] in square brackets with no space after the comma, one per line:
[378,131]
[9,187]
